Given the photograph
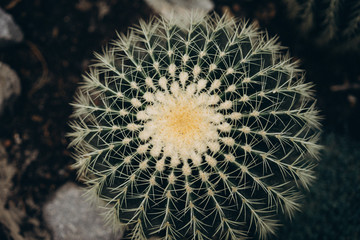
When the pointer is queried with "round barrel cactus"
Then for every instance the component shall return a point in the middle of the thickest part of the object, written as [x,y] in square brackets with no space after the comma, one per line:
[196,129]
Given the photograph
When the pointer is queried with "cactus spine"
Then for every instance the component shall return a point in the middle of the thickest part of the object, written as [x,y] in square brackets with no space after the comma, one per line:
[195,131]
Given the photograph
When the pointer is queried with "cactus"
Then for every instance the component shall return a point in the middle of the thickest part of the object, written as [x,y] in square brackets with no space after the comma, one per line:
[196,130]
[334,23]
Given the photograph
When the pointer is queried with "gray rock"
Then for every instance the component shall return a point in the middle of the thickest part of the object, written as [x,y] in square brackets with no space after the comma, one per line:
[71,217]
[10,217]
[10,87]
[168,8]
[9,31]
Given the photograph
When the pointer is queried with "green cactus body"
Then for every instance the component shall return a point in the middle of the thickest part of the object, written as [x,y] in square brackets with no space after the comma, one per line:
[328,22]
[202,130]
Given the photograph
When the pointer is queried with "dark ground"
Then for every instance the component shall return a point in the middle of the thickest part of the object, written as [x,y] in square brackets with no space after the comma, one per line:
[59,40]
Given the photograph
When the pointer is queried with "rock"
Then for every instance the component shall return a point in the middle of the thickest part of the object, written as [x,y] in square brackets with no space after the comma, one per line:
[167,8]
[71,217]
[9,217]
[6,173]
[9,31]
[10,87]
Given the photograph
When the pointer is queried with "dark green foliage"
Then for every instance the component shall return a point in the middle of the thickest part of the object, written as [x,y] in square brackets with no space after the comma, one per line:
[332,23]
[332,207]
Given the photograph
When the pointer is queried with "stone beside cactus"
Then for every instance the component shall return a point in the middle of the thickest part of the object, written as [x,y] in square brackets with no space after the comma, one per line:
[203,130]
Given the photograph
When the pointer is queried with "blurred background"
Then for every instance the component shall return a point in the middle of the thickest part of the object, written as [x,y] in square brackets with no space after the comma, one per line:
[46,46]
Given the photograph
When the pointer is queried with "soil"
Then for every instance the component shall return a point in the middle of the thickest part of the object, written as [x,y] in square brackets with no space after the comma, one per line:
[59,40]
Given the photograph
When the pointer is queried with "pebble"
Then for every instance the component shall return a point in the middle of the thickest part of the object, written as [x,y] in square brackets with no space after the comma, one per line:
[10,87]
[167,8]
[9,30]
[9,217]
[71,217]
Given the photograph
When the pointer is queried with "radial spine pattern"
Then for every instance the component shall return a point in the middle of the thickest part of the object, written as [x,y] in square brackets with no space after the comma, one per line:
[203,130]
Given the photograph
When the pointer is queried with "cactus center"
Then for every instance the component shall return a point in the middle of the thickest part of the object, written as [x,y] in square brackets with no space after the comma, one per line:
[179,126]
[183,122]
